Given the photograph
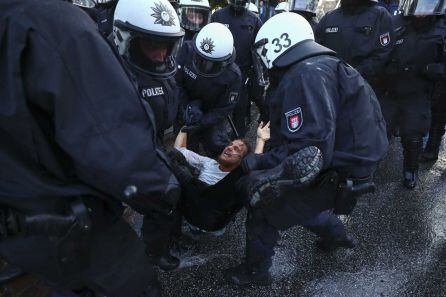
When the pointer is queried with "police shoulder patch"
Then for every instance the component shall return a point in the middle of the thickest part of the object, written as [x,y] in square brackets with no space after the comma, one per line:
[294,119]
[384,39]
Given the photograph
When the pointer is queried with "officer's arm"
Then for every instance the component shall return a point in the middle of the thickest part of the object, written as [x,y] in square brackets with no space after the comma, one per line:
[307,119]
[373,65]
[99,122]
[227,102]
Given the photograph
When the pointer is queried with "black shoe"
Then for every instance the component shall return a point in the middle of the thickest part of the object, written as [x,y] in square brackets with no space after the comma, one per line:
[9,272]
[298,169]
[153,290]
[243,275]
[330,244]
[410,179]
[166,262]
[429,156]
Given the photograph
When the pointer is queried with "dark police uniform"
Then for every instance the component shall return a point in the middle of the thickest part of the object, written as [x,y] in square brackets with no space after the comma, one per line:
[244,26]
[323,102]
[361,35]
[216,96]
[162,96]
[416,63]
[66,138]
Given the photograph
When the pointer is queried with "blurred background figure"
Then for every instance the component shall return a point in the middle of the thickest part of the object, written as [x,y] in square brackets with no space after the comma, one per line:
[194,15]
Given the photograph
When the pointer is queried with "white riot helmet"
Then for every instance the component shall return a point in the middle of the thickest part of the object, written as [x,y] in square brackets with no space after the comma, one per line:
[194,14]
[214,49]
[252,8]
[148,35]
[281,7]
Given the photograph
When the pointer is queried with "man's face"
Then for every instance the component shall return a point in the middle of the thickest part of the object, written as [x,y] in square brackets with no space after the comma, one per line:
[233,153]
[155,52]
[195,17]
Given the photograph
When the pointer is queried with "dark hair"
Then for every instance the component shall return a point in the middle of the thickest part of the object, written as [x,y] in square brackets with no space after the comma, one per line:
[246,143]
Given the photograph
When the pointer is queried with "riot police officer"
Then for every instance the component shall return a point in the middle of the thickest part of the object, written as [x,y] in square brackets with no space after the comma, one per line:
[147,34]
[345,146]
[209,82]
[148,40]
[75,143]
[101,11]
[417,62]
[244,25]
[360,32]
[194,15]
[307,9]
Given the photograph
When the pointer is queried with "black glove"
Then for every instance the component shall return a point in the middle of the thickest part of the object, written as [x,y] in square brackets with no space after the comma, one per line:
[249,163]
[48,224]
[190,129]
[192,114]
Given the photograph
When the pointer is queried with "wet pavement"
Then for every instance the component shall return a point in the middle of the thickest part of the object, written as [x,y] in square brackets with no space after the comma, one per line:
[401,251]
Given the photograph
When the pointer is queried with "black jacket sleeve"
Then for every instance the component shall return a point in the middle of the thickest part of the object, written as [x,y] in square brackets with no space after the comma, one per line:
[308,93]
[99,121]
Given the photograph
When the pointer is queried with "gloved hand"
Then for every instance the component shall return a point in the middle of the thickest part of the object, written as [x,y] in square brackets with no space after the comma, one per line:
[192,114]
[190,129]
[249,163]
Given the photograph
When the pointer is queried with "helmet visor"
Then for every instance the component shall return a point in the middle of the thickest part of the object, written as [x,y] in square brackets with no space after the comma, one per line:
[304,5]
[194,18]
[422,7]
[207,68]
[153,55]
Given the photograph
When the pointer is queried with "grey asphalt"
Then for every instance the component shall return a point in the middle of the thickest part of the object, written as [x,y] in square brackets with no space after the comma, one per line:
[401,251]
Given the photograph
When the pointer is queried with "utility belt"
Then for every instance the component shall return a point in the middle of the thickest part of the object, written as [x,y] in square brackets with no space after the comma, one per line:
[68,232]
[13,223]
[348,191]
[431,71]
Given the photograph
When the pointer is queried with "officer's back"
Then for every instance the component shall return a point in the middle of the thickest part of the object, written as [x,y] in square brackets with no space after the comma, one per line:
[360,32]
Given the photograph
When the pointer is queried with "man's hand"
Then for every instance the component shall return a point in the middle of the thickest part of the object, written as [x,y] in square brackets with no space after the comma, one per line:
[263,134]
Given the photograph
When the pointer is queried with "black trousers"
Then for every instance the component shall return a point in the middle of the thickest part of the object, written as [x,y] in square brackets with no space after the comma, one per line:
[411,114]
[309,207]
[117,262]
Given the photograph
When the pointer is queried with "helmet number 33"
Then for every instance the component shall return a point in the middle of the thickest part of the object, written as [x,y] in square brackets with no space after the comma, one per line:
[283,42]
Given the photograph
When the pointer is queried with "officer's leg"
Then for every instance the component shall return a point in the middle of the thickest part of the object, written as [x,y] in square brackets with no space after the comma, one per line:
[390,110]
[414,125]
[239,114]
[331,231]
[158,231]
[436,131]
[261,238]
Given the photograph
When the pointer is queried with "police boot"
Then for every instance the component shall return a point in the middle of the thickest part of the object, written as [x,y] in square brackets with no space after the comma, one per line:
[412,148]
[298,169]
[246,274]
[332,243]
[9,272]
[153,290]
[433,144]
[164,261]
